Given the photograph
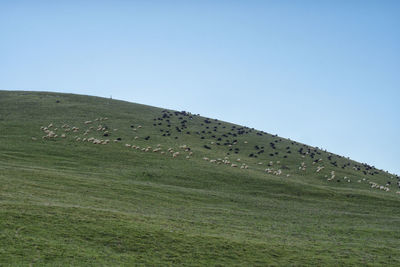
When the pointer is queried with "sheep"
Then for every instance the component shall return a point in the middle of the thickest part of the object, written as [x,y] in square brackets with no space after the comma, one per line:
[88,122]
[234,165]
[268,170]
[34,138]
[176,154]
[244,166]
[303,166]
[97,141]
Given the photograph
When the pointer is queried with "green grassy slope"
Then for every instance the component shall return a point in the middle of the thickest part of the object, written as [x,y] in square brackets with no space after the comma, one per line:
[68,201]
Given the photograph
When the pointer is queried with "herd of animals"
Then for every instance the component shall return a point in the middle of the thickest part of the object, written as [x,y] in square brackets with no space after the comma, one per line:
[270,155]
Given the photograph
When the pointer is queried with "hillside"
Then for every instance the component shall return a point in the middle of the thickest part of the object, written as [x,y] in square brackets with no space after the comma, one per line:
[93,181]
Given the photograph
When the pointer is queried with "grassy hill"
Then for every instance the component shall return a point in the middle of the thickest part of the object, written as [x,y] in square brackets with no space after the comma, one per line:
[92,181]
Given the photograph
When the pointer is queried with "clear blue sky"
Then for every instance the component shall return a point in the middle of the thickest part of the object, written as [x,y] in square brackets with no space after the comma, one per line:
[325,73]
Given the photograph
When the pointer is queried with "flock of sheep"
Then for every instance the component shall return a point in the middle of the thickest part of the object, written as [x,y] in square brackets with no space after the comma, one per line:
[97,127]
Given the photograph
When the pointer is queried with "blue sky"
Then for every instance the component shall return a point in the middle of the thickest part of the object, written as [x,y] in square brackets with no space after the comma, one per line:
[325,73]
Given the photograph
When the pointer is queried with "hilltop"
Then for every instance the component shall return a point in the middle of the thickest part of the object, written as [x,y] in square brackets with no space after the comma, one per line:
[88,181]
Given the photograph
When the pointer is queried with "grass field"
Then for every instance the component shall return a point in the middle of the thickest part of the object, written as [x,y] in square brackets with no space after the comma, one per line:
[66,201]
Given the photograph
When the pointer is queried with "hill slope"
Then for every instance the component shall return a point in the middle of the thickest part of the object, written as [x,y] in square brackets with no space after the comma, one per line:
[88,181]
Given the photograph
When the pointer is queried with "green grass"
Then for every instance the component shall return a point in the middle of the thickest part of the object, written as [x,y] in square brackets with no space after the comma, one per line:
[64,202]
